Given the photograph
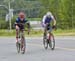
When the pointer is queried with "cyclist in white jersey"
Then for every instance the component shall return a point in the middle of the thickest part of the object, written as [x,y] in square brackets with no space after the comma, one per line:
[47,18]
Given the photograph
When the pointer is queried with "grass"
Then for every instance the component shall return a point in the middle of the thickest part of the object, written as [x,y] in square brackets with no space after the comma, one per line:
[39,33]
[60,32]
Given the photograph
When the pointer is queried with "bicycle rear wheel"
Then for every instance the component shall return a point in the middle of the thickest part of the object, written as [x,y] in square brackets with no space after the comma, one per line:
[52,42]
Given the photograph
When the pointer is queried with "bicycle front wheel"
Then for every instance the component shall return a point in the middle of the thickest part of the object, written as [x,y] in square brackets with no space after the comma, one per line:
[52,42]
[18,47]
[45,43]
[23,46]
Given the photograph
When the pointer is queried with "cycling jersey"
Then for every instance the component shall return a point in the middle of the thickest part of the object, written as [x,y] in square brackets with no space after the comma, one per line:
[18,20]
[47,19]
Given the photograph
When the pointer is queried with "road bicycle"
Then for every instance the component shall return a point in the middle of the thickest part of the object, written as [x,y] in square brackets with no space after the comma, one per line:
[49,40]
[21,44]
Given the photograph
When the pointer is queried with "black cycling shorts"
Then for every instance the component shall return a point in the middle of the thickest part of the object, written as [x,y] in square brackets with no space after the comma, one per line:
[21,27]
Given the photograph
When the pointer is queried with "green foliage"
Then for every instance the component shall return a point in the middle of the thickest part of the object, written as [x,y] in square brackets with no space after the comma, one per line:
[63,11]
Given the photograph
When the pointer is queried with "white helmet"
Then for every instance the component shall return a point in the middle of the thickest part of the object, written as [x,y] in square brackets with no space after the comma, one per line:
[49,14]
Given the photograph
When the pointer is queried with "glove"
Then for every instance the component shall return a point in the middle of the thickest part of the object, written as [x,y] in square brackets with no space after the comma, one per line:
[54,27]
[43,25]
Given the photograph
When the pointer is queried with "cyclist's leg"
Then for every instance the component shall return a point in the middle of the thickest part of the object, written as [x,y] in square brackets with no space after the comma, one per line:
[22,34]
[17,33]
[23,40]
[45,31]
[22,31]
[50,32]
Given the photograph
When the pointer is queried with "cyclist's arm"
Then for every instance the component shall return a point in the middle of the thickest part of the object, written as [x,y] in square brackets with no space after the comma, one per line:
[43,21]
[28,26]
[54,21]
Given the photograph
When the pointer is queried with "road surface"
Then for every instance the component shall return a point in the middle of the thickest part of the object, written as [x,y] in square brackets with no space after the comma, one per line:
[64,51]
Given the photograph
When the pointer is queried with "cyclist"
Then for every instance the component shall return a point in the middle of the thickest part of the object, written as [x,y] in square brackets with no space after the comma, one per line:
[19,24]
[47,18]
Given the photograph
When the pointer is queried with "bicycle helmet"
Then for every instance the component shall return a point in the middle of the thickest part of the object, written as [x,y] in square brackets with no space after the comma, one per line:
[21,15]
[48,14]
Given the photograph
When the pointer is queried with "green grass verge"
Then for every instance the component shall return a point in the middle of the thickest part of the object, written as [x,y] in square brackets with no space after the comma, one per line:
[60,32]
[39,33]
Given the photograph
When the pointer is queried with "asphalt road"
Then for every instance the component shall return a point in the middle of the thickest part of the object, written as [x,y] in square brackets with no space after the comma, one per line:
[64,50]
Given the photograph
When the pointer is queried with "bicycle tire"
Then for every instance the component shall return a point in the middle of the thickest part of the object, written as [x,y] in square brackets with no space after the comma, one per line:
[45,42]
[18,47]
[52,42]
[23,46]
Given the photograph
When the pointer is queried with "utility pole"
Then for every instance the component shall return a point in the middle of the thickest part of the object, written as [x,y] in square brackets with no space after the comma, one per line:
[9,12]
[9,16]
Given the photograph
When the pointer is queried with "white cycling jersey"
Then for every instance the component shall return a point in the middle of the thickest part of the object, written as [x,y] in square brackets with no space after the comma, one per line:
[47,19]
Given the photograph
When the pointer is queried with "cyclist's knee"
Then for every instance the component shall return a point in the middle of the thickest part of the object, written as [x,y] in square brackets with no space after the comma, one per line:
[17,32]
[17,28]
